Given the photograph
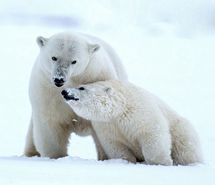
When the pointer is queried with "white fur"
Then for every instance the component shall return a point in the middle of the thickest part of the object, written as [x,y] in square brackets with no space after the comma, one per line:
[52,119]
[133,124]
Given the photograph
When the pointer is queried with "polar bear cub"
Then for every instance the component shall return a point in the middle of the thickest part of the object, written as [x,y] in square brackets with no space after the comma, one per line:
[133,124]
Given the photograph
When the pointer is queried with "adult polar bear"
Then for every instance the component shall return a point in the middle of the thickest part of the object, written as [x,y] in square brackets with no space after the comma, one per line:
[135,125]
[66,59]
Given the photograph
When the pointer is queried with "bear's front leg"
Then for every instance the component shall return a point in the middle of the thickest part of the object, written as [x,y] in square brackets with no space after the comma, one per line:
[101,155]
[51,138]
[30,149]
[116,150]
[83,127]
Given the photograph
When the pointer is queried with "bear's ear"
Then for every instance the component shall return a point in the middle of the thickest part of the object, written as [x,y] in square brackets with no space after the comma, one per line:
[41,41]
[93,48]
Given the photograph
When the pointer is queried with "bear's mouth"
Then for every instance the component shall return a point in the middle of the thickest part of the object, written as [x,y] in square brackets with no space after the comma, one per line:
[59,84]
[68,96]
[72,98]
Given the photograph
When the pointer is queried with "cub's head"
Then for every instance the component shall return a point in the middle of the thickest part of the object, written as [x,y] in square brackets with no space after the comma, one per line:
[99,101]
[65,55]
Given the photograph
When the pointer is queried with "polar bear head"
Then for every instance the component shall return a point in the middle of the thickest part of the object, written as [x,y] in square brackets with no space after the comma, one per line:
[65,55]
[99,101]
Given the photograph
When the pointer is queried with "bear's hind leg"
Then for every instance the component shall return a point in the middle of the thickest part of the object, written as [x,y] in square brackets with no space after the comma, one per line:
[156,148]
[186,147]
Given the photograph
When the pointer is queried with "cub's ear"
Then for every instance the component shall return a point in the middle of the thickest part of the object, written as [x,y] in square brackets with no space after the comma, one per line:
[93,48]
[41,41]
[108,90]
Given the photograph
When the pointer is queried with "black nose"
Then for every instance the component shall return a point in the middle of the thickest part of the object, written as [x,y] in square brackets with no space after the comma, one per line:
[67,97]
[59,82]
[64,93]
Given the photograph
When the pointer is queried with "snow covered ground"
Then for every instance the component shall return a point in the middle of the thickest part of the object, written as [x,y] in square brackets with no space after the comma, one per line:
[167,47]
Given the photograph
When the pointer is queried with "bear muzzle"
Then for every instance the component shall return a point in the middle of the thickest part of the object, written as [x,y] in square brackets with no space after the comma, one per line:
[68,96]
[59,82]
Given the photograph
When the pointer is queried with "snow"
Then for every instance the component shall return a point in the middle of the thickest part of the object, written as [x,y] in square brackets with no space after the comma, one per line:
[78,171]
[167,47]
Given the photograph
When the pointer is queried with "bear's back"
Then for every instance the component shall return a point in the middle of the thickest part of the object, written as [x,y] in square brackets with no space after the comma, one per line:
[115,59]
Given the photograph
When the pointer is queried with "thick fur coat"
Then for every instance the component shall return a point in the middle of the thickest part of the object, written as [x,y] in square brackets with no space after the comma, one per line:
[65,59]
[135,125]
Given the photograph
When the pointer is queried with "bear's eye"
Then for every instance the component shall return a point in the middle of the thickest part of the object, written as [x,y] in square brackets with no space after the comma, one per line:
[54,58]
[74,62]
[81,88]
